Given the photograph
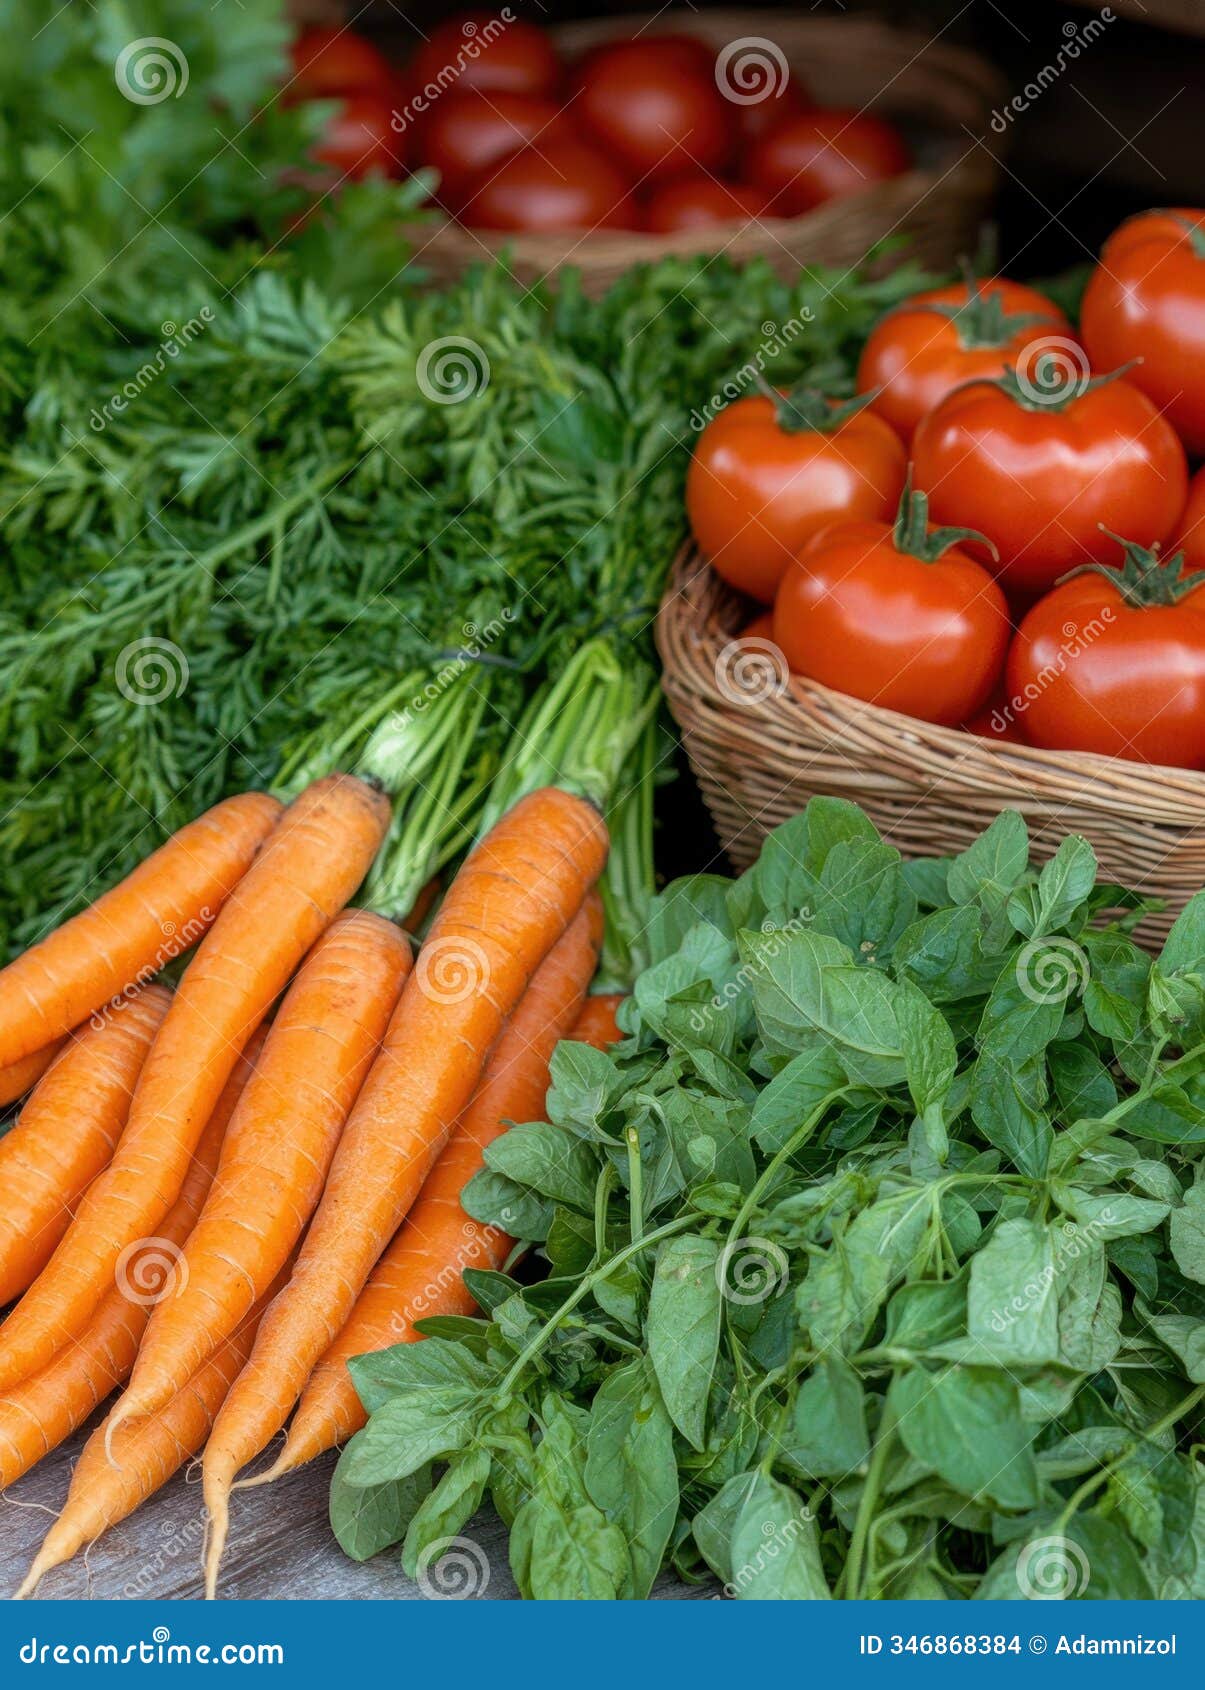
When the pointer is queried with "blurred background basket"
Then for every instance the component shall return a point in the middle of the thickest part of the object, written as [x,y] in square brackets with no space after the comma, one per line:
[761,742]
[943,97]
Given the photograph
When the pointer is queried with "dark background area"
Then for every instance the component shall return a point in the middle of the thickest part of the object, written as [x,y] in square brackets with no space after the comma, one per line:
[1121,132]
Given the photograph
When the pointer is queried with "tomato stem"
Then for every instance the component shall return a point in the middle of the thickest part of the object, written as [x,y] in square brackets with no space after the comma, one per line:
[982,322]
[1143,578]
[1055,381]
[911,534]
[809,406]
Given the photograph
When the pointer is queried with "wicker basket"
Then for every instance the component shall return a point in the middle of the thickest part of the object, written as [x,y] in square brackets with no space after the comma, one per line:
[944,94]
[761,743]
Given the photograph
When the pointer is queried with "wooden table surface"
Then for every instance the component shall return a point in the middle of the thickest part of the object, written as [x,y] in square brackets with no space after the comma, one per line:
[280,1546]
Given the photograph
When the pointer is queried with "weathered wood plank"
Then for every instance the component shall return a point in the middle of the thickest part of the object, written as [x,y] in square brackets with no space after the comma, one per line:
[280,1546]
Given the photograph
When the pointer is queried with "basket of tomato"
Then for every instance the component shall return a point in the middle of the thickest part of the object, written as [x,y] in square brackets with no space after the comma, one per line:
[979,584]
[613,142]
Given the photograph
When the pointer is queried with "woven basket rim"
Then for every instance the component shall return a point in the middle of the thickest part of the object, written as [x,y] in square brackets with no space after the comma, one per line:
[681,601]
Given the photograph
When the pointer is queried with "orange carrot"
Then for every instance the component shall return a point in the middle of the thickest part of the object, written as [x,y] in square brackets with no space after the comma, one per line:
[322,1043]
[116,1473]
[125,937]
[420,1273]
[37,1415]
[67,1132]
[421,906]
[21,1076]
[309,868]
[512,900]
[596,1025]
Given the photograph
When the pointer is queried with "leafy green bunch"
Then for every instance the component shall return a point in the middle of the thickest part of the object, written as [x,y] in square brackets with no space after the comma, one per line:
[332,565]
[876,1253]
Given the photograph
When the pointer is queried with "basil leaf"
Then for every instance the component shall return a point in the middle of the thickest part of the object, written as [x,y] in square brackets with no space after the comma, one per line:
[775,1553]
[683,1329]
[368,1518]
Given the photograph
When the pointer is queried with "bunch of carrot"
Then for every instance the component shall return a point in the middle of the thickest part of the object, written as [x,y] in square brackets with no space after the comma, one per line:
[292,1177]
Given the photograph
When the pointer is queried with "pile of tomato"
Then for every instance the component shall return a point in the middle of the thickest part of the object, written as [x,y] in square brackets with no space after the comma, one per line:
[1000,531]
[649,133]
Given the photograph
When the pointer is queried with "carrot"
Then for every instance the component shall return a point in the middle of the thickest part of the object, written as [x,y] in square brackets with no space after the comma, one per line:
[420,1273]
[23,1074]
[322,1043]
[309,868]
[41,1412]
[118,943]
[144,1456]
[67,1132]
[512,900]
[596,1025]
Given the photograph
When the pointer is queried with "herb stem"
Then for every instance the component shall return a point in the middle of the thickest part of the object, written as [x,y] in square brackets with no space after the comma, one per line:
[587,1282]
[866,1506]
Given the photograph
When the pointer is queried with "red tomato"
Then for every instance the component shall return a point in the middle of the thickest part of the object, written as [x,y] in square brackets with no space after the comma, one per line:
[564,185]
[468,130]
[330,62]
[1039,463]
[943,337]
[784,100]
[652,109]
[360,139]
[1147,300]
[1113,661]
[898,616]
[997,720]
[1190,531]
[769,472]
[824,155]
[699,202]
[482,50]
